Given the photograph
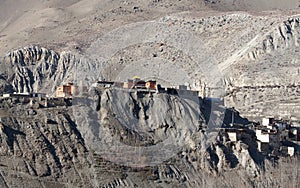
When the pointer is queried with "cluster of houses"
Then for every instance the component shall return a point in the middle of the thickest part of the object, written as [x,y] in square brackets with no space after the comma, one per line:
[32,95]
[272,136]
[69,90]
[137,84]
[64,91]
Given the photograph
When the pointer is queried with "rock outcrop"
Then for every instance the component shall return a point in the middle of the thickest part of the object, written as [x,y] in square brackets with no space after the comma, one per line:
[40,143]
[37,69]
[91,144]
[114,138]
[283,36]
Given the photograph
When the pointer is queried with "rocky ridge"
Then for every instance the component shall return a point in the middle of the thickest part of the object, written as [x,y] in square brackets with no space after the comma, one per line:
[69,146]
[67,135]
[37,69]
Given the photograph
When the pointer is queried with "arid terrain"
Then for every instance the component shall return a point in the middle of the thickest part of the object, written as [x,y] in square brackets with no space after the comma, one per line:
[242,54]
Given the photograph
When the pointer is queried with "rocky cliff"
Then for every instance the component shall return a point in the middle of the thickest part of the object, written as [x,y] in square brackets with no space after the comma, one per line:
[117,138]
[250,59]
[141,140]
[37,69]
[268,83]
[40,143]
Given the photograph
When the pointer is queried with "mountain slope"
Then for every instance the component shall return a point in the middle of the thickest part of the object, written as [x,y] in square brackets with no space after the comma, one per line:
[254,5]
[254,52]
[85,144]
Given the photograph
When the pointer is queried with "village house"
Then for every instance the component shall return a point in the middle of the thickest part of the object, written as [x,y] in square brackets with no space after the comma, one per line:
[151,85]
[268,121]
[276,136]
[237,133]
[262,136]
[66,90]
[294,134]
[233,136]
[266,135]
[137,83]
[270,130]
[263,141]
[28,95]
[15,94]
[287,150]
[290,151]
[105,84]
[134,83]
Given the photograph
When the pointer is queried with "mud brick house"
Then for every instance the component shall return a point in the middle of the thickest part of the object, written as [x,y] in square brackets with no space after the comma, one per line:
[66,90]
[151,85]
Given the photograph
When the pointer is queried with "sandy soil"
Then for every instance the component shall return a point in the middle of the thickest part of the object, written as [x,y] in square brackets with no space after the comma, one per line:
[108,31]
[72,23]
[76,23]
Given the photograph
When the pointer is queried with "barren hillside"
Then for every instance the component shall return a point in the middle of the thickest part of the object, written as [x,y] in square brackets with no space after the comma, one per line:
[241,54]
[254,5]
